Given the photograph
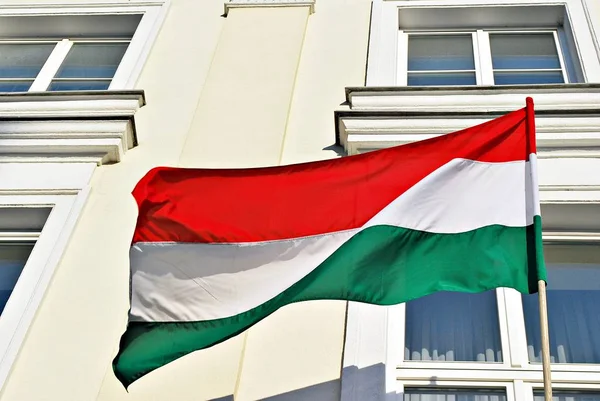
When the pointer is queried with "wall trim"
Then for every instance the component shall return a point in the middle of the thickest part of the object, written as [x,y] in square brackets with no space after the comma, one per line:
[269,3]
[96,127]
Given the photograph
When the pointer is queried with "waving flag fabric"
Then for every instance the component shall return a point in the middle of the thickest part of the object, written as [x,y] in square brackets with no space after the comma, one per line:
[216,251]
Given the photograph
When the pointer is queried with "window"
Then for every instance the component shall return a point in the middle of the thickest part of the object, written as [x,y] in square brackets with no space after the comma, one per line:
[484,57]
[441,60]
[67,64]
[13,256]
[436,332]
[460,327]
[535,35]
[494,337]
[19,230]
[526,58]
[573,316]
[457,394]
[94,48]
[562,395]
[89,65]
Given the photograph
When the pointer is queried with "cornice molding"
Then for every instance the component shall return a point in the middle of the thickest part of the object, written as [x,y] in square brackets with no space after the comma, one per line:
[567,116]
[558,136]
[94,127]
[269,3]
[569,219]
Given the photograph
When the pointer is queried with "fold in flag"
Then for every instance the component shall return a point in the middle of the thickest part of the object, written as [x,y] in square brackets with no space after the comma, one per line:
[216,251]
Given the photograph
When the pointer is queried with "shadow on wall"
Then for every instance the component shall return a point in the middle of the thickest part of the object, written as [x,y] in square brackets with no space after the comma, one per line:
[339,150]
[359,384]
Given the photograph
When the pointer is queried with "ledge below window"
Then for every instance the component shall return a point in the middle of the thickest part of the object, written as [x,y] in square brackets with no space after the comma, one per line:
[567,116]
[76,126]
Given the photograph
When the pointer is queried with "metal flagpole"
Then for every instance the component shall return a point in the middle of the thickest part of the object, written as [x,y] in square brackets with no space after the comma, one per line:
[545,340]
[530,115]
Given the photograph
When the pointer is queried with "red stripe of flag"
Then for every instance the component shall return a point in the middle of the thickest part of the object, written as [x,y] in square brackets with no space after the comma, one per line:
[273,203]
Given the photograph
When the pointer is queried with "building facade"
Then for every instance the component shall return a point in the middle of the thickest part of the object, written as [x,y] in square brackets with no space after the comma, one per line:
[93,94]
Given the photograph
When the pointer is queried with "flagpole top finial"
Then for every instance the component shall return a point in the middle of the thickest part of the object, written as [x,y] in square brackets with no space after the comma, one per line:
[529,101]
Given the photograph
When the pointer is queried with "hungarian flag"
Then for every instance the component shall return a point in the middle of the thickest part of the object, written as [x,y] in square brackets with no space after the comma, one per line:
[216,251]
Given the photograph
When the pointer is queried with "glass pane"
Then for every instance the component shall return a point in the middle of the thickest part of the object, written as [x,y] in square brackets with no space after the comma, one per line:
[533,77]
[78,85]
[524,51]
[23,60]
[453,326]
[441,79]
[447,394]
[15,86]
[92,60]
[23,219]
[573,315]
[440,52]
[12,261]
[568,396]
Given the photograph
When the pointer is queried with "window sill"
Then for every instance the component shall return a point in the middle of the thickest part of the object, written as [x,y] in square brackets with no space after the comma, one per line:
[567,116]
[497,97]
[94,126]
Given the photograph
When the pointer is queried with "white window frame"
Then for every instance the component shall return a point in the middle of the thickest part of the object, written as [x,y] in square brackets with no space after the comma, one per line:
[529,388]
[385,44]
[403,37]
[508,387]
[29,290]
[504,343]
[482,55]
[153,13]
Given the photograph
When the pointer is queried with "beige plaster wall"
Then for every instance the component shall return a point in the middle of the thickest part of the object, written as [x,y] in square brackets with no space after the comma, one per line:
[256,88]
[67,353]
[242,113]
[297,352]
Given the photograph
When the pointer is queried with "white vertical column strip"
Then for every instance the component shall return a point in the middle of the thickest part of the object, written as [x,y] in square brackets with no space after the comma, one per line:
[517,338]
[402,70]
[502,323]
[365,361]
[50,68]
[484,52]
[525,392]
[520,390]
[511,394]
[396,321]
[584,40]
[382,57]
